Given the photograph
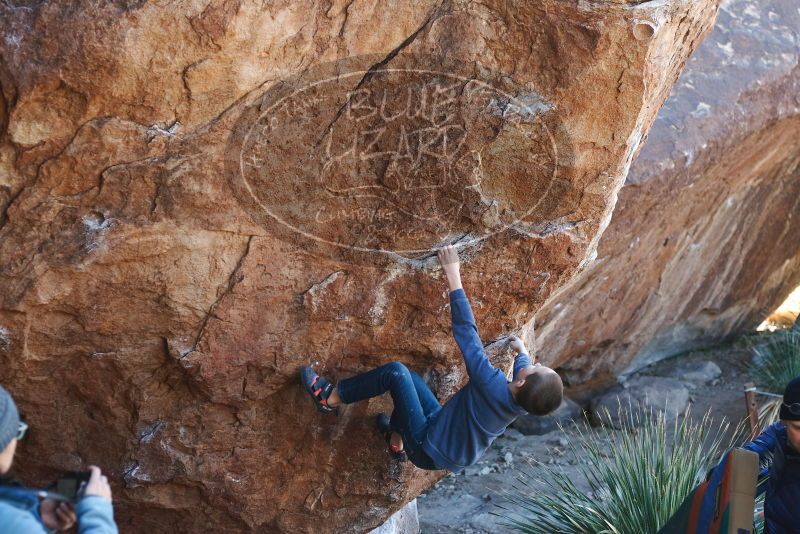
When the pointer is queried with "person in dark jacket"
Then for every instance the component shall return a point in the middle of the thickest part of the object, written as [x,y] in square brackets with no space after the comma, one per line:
[456,435]
[22,511]
[778,447]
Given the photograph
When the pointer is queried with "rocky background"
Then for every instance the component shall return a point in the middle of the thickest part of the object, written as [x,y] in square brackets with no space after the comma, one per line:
[705,230]
[195,201]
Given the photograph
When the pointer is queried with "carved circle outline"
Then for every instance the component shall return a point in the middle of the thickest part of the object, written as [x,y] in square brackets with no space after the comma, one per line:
[362,73]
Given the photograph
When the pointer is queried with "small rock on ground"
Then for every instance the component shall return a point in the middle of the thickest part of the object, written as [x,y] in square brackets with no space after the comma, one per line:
[537,425]
[639,394]
[697,372]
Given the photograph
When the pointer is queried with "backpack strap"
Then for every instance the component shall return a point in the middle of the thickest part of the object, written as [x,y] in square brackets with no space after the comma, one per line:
[19,494]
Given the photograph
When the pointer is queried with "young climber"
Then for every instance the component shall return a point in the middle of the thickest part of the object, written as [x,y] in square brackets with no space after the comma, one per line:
[455,435]
[779,446]
[21,509]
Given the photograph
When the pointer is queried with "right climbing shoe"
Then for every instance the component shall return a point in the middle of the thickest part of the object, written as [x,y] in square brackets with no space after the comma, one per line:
[383,423]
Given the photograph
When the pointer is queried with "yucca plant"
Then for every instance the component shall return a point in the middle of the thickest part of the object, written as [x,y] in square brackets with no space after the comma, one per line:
[776,363]
[636,484]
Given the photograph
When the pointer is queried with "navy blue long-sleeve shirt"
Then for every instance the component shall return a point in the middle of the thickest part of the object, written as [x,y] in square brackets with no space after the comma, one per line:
[782,487]
[480,411]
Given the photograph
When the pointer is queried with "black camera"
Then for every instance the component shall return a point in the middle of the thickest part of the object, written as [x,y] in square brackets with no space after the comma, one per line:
[71,485]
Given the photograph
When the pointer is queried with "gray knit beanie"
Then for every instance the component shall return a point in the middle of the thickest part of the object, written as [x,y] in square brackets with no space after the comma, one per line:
[9,419]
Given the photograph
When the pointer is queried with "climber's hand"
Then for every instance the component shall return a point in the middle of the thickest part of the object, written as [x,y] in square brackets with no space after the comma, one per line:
[517,345]
[448,257]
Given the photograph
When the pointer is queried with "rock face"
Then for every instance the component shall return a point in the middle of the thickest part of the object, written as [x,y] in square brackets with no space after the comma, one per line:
[198,198]
[703,243]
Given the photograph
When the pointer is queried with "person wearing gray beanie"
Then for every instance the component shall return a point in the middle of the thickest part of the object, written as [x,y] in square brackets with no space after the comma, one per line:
[779,447]
[23,511]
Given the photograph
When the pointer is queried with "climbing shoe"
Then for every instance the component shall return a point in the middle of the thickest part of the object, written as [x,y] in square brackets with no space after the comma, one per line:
[384,427]
[319,389]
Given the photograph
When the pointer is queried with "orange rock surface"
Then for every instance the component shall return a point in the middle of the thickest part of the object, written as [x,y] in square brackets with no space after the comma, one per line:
[196,198]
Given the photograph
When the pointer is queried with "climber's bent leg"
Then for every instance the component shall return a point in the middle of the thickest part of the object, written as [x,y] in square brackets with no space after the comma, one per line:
[409,418]
[430,407]
[430,404]
[393,377]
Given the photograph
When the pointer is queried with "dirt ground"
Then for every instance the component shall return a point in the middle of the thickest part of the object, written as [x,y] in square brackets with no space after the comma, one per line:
[463,503]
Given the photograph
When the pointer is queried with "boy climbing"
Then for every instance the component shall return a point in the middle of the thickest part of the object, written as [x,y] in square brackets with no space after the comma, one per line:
[453,436]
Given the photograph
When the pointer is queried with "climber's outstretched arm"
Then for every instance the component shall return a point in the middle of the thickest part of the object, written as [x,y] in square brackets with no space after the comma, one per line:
[465,331]
[522,360]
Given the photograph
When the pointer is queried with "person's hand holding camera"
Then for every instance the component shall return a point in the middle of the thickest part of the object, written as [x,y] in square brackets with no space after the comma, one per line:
[57,515]
[97,485]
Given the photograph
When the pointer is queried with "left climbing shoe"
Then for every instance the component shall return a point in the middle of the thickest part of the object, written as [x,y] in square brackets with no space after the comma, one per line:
[318,387]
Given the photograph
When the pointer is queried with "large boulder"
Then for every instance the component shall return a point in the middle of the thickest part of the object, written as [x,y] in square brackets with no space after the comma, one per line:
[703,243]
[198,198]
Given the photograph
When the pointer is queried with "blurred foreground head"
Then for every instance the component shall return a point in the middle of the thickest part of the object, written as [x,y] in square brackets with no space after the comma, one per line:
[790,412]
[9,428]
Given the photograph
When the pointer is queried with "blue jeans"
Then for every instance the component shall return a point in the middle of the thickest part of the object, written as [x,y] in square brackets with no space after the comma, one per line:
[414,404]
